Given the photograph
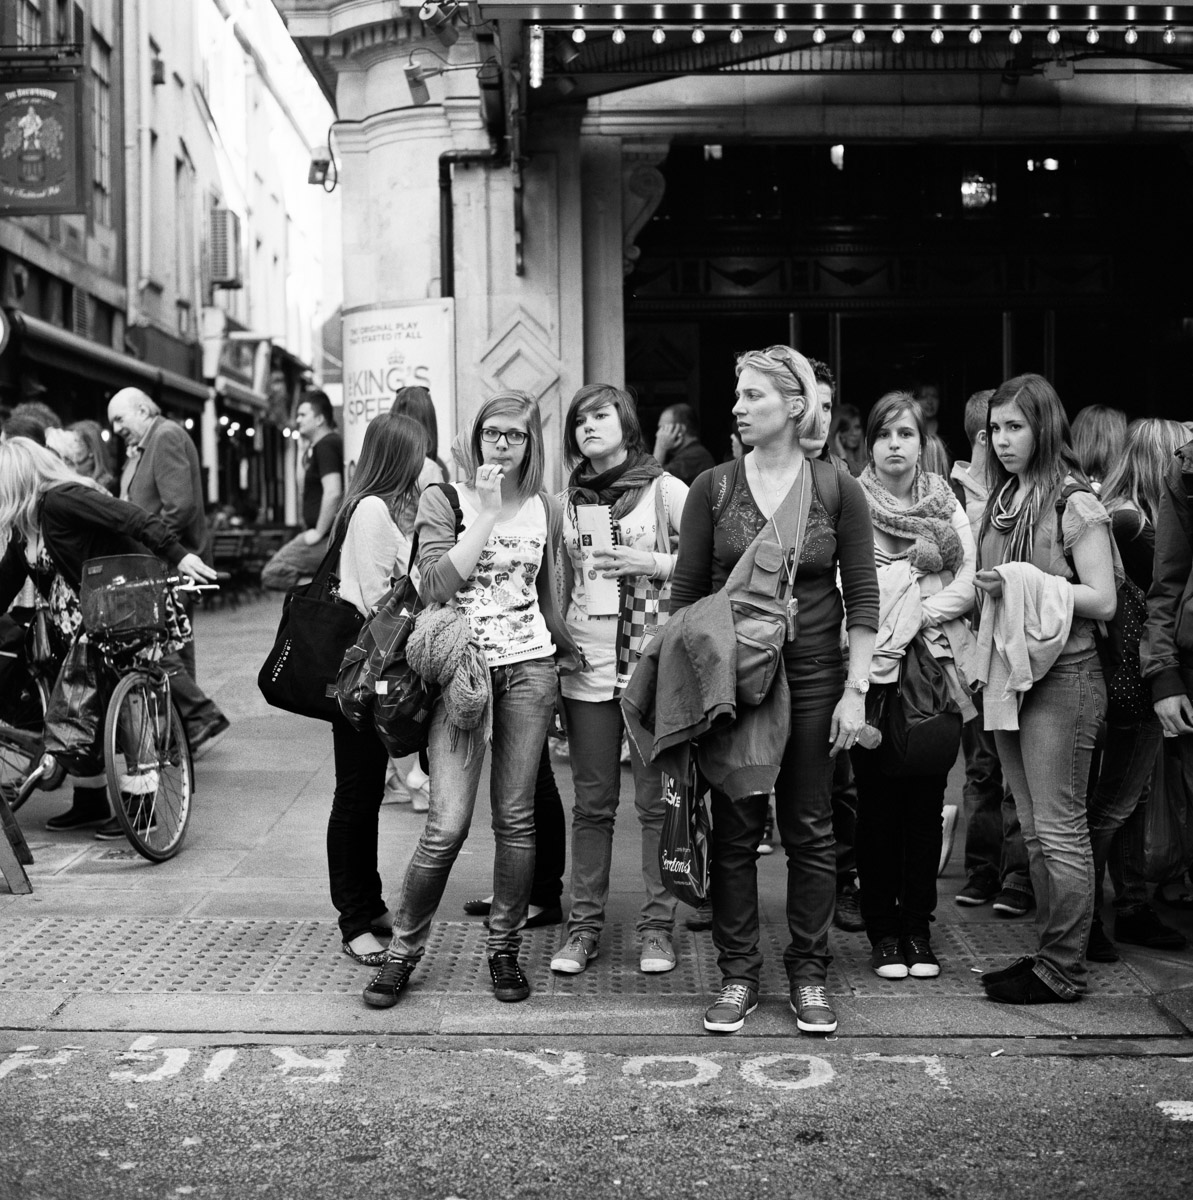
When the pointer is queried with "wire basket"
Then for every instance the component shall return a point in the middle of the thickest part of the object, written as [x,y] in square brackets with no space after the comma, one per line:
[123,598]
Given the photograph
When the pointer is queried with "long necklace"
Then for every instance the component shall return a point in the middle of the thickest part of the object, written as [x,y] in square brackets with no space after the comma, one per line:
[770,491]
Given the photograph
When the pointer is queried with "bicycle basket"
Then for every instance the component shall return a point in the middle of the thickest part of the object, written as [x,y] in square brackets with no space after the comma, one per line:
[124,597]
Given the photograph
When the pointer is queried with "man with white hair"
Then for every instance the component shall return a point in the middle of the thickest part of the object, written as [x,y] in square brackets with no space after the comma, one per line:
[162,475]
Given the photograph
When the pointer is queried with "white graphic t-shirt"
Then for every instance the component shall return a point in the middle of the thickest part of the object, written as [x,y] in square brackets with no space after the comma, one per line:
[500,597]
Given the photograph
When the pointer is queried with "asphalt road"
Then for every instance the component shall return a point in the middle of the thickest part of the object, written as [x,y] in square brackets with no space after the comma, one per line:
[103,1115]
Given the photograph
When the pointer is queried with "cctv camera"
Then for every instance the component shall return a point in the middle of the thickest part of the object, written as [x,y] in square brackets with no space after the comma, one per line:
[439,17]
[416,81]
[320,165]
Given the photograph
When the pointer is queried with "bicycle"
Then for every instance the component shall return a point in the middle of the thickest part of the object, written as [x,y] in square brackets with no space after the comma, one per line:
[21,728]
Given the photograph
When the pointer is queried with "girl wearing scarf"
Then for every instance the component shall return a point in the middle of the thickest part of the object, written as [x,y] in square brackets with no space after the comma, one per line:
[603,438]
[1046,761]
[926,558]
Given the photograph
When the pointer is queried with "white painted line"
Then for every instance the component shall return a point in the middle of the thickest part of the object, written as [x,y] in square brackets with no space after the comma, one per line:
[705,1069]
[1177,1110]
[820,1072]
[569,1067]
[221,1060]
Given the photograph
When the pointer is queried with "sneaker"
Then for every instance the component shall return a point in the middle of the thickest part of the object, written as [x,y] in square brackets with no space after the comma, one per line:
[734,1004]
[848,913]
[206,738]
[88,806]
[383,989]
[110,831]
[948,835]
[575,954]
[1011,902]
[1025,988]
[143,821]
[420,798]
[509,983]
[1099,948]
[658,955]
[887,959]
[767,844]
[1142,927]
[700,918]
[1020,966]
[975,893]
[813,1014]
[917,954]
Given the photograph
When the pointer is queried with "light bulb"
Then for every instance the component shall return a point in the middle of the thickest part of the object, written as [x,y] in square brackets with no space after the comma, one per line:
[937,35]
[1131,36]
[698,35]
[659,36]
[1169,36]
[618,35]
[1015,36]
[1053,35]
[858,35]
[975,34]
[780,34]
[1092,35]
[897,35]
[579,34]
[818,35]
[735,35]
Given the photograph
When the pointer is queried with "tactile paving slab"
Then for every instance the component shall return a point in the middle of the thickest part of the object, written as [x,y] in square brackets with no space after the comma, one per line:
[214,956]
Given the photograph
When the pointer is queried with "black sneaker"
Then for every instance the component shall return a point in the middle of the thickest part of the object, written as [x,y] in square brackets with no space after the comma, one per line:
[848,913]
[917,954]
[385,987]
[1143,927]
[887,959]
[975,893]
[729,1011]
[813,1013]
[1099,948]
[88,806]
[509,984]
[1011,902]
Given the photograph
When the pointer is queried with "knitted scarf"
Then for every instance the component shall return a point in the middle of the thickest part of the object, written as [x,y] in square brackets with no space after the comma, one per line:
[1017,525]
[620,487]
[927,522]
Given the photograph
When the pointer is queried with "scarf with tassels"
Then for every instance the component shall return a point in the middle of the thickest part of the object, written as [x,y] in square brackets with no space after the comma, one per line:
[1018,524]
[927,523]
[621,487]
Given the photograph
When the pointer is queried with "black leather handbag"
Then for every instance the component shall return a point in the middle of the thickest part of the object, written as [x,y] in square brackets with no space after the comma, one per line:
[317,627]
[919,719]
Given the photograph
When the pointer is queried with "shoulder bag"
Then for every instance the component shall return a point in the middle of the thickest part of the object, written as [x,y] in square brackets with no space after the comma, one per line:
[299,672]
[919,719]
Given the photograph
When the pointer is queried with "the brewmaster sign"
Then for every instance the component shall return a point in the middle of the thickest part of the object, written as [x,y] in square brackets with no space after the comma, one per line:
[41,148]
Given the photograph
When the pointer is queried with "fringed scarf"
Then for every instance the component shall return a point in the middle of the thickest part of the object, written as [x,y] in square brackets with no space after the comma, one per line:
[621,487]
[927,522]
[1018,525]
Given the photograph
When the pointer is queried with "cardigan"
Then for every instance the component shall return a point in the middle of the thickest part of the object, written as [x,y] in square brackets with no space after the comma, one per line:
[77,523]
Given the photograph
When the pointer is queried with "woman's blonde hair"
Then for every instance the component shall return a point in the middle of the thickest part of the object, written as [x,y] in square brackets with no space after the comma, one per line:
[1137,476]
[27,472]
[794,379]
[470,454]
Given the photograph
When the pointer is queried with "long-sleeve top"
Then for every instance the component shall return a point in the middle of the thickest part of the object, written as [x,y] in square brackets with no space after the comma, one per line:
[1135,537]
[708,553]
[370,555]
[597,635]
[1167,648]
[79,522]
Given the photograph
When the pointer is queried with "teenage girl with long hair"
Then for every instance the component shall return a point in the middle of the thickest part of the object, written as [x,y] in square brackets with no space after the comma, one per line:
[1029,518]
[386,476]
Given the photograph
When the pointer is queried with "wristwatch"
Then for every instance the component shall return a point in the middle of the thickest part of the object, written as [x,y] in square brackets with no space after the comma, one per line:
[858,685]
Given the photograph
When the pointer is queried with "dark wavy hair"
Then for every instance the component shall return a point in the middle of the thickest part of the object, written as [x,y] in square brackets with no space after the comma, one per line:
[596,395]
[416,402]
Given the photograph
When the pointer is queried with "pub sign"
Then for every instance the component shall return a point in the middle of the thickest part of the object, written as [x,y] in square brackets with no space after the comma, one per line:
[41,145]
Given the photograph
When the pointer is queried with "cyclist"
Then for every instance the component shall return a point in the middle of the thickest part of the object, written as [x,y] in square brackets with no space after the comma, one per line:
[51,522]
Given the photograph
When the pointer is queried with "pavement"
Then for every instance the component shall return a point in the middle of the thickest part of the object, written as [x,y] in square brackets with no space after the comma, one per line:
[237,935]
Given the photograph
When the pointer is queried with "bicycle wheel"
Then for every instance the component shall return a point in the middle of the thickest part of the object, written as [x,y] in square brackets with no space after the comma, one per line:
[21,739]
[148,765]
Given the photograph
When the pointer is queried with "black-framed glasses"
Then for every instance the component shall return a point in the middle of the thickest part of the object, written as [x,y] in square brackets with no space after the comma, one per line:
[513,437]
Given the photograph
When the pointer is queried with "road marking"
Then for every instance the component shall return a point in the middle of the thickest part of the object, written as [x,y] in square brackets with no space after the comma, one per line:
[931,1063]
[221,1060]
[569,1067]
[24,1058]
[142,1051]
[330,1066]
[1178,1110]
[706,1069]
[820,1072]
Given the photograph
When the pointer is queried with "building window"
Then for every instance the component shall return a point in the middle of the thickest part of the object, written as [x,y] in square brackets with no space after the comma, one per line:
[28,22]
[101,130]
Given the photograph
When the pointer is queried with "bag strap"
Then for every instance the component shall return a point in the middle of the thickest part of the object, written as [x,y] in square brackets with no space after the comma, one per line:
[331,560]
[795,504]
[453,497]
[662,522]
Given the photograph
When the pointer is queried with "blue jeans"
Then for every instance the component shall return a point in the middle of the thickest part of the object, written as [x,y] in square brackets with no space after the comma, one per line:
[804,818]
[1046,763]
[1118,790]
[523,700]
[594,744]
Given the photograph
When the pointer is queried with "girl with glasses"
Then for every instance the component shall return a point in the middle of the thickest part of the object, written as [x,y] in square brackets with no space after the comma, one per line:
[499,573]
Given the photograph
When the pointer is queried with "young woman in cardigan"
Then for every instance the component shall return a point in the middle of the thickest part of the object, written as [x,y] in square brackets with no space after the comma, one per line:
[604,440]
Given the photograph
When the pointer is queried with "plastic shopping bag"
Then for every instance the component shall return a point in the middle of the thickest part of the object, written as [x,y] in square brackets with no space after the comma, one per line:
[683,842]
[75,717]
[1168,824]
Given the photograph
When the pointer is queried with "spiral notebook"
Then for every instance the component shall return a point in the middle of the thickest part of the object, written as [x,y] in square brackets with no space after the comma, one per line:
[594,524]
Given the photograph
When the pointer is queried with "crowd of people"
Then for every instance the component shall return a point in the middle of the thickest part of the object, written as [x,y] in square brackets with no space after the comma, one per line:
[1038,595]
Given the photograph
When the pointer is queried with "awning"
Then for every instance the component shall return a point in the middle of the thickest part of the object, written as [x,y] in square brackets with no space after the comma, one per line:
[236,394]
[42,342]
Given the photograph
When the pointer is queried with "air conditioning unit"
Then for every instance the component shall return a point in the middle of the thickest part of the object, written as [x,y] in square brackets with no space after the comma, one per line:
[224,246]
